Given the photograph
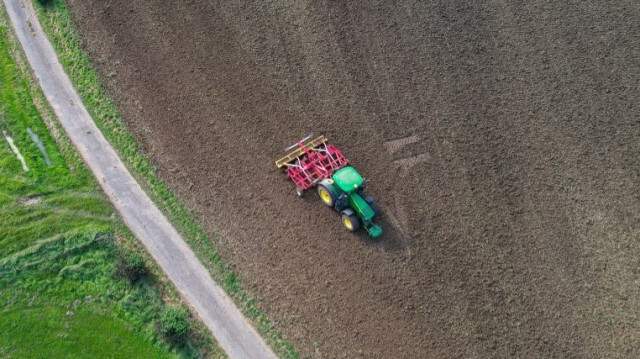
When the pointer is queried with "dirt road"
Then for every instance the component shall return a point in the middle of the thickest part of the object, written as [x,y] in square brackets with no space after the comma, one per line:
[502,140]
[140,214]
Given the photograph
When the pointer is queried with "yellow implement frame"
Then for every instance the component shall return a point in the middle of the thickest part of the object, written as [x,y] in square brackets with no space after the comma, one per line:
[311,144]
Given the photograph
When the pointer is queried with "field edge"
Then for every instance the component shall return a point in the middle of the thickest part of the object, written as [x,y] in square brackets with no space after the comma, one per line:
[57,24]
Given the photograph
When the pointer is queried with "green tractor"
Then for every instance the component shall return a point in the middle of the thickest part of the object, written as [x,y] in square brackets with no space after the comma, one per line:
[315,163]
[344,192]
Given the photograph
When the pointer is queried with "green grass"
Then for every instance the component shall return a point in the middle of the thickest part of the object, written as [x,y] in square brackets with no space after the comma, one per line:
[60,300]
[56,22]
[59,293]
[62,336]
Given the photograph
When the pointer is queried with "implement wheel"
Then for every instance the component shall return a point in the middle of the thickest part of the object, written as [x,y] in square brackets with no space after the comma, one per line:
[350,220]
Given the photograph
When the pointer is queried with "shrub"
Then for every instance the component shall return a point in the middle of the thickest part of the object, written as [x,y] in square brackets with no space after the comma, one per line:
[131,265]
[174,323]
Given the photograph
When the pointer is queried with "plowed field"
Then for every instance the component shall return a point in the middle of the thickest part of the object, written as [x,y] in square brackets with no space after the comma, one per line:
[502,140]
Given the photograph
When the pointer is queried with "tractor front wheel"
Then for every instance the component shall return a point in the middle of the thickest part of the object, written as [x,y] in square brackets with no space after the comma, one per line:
[350,220]
[327,195]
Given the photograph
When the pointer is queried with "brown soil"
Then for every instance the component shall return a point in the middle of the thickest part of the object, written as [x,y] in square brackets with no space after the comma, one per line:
[502,140]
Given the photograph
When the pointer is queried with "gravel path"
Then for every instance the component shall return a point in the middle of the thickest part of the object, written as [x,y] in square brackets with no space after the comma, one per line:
[214,307]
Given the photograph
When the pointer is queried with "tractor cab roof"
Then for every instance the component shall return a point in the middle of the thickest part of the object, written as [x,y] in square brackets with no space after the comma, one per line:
[347,179]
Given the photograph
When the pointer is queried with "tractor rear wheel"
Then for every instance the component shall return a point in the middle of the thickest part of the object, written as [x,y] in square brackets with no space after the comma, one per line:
[327,194]
[350,220]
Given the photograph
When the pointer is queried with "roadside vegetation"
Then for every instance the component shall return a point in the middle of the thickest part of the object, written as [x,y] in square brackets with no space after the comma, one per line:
[73,281]
[56,22]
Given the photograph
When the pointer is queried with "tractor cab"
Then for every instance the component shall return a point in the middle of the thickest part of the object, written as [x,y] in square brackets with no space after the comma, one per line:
[347,179]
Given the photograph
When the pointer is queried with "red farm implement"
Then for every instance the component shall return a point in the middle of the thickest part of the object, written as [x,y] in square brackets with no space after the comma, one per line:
[311,161]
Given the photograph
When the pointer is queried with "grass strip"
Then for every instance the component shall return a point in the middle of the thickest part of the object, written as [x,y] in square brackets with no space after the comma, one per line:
[59,292]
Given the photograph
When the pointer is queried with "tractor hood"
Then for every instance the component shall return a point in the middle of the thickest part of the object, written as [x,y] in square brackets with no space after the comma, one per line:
[347,179]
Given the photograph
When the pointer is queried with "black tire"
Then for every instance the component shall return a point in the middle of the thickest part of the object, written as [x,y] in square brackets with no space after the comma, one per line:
[373,205]
[327,195]
[350,220]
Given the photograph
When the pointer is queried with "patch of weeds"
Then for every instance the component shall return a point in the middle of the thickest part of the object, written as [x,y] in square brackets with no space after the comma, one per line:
[174,322]
[131,265]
